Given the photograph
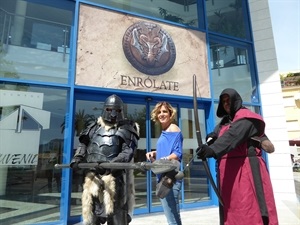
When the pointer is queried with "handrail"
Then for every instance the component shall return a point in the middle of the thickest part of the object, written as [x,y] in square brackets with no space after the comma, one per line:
[7,24]
[30,17]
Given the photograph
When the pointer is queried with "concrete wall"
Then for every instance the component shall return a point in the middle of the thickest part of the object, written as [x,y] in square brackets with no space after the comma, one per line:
[272,100]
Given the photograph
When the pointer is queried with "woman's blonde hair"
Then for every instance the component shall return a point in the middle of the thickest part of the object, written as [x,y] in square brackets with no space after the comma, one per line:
[155,111]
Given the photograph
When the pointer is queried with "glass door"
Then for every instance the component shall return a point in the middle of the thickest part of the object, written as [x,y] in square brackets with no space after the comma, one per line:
[196,187]
[195,190]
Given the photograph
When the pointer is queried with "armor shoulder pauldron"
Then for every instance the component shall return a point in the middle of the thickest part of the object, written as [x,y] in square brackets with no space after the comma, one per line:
[128,131]
[85,135]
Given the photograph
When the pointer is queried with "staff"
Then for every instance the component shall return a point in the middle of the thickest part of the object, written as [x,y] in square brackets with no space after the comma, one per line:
[199,140]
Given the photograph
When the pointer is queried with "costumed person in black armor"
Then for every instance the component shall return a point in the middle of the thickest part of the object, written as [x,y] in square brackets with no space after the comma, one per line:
[108,195]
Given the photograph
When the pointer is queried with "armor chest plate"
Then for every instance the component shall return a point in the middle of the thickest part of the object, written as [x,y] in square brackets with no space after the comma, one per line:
[104,145]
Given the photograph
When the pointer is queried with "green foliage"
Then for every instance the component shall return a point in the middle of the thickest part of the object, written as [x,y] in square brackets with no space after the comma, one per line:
[167,16]
[82,120]
[230,23]
[290,79]
[140,118]
[6,67]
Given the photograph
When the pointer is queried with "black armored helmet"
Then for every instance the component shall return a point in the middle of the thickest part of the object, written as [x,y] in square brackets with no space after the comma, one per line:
[113,109]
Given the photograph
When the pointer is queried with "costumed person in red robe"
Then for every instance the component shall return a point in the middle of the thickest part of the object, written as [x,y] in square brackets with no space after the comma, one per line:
[108,195]
[243,177]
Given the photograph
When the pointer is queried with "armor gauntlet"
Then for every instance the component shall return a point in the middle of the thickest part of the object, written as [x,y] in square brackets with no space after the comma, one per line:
[79,156]
[80,151]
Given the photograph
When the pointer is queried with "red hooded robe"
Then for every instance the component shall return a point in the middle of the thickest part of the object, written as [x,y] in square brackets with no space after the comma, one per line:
[243,177]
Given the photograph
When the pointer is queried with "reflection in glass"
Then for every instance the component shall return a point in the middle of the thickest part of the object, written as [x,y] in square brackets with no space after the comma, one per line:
[31,144]
[178,11]
[39,32]
[196,187]
[230,69]
[226,17]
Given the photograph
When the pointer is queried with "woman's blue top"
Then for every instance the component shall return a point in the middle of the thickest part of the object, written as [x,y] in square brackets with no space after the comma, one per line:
[168,143]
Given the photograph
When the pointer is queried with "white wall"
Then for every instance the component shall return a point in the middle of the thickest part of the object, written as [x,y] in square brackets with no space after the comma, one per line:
[272,101]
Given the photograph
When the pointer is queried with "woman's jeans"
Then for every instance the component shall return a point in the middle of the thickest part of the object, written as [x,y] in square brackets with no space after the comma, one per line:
[170,205]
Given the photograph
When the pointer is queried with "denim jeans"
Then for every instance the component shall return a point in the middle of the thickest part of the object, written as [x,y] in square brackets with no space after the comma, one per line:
[170,205]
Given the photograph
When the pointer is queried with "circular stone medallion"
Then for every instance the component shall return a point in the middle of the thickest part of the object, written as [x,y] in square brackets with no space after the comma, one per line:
[149,48]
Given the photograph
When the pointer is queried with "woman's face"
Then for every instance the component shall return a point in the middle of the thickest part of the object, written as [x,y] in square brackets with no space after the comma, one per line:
[164,116]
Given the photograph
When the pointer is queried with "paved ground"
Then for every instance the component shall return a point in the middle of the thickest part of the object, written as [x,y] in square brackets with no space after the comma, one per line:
[288,213]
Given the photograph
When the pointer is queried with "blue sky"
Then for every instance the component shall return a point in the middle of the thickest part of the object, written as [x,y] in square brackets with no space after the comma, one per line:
[285,16]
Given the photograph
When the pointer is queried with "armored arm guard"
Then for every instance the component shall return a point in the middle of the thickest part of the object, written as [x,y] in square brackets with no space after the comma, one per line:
[79,154]
[84,139]
[86,134]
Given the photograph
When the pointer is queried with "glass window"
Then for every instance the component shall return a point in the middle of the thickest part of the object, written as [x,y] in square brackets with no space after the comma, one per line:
[196,184]
[178,11]
[255,109]
[34,41]
[230,69]
[226,17]
[31,143]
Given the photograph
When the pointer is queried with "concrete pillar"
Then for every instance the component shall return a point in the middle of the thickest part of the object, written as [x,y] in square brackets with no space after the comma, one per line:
[19,21]
[3,169]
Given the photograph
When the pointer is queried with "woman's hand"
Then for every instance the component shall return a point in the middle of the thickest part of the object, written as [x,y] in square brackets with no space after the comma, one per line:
[151,156]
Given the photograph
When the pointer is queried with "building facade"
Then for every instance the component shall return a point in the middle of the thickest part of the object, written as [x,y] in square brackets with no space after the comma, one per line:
[60,59]
[290,83]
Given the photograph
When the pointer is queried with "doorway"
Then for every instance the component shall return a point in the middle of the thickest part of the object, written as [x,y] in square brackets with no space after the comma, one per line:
[195,190]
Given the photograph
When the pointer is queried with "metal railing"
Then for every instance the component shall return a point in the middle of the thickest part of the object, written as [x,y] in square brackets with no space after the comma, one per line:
[30,32]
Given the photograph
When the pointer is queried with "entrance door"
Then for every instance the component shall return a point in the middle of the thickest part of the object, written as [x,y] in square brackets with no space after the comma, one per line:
[195,189]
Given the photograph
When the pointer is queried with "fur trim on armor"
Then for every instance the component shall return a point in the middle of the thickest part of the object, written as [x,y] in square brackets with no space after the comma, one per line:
[102,187]
[107,125]
[109,193]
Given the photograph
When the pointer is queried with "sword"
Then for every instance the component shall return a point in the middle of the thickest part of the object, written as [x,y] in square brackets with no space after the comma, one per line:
[199,140]
[157,167]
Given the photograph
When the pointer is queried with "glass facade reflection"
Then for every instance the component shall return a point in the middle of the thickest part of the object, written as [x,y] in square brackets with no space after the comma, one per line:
[230,68]
[31,144]
[177,11]
[196,184]
[35,41]
[227,17]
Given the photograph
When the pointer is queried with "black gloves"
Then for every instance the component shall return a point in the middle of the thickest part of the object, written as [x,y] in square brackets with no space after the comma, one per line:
[256,142]
[210,138]
[102,171]
[203,152]
[75,161]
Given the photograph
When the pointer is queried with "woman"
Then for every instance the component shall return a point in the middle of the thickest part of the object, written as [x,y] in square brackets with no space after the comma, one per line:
[169,147]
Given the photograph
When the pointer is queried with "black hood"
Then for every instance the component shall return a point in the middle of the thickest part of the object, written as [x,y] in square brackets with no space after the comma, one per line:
[235,100]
